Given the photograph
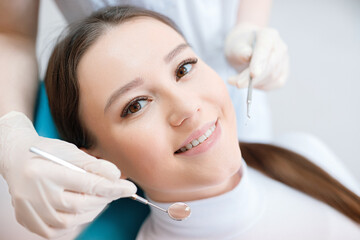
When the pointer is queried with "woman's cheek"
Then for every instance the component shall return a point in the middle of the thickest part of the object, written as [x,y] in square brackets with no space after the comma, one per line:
[144,158]
[218,91]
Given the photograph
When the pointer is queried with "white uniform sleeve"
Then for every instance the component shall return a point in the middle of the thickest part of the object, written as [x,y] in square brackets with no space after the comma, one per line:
[316,151]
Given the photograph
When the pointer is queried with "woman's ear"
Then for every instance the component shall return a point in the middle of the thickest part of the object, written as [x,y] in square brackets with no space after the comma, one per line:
[92,152]
[95,153]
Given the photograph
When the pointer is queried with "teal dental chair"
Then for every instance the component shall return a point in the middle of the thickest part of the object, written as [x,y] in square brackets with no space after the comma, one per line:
[122,218]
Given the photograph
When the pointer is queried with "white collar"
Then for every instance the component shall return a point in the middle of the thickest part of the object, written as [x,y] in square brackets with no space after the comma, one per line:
[229,214]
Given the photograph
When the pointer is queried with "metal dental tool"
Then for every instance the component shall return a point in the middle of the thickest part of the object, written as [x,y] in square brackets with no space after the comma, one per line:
[250,85]
[177,211]
[249,96]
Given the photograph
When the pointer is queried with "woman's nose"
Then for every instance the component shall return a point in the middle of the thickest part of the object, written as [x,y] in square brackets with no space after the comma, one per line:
[183,110]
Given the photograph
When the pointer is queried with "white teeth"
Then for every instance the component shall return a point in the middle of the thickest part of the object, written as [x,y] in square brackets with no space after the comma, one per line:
[201,138]
[196,142]
[208,133]
[189,146]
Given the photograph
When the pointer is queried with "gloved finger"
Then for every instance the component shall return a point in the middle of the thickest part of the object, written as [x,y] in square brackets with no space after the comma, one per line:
[276,64]
[262,51]
[28,217]
[70,202]
[283,74]
[241,53]
[241,80]
[56,220]
[87,183]
[265,77]
[74,220]
[279,73]
[274,76]
[70,153]
[238,45]
[13,125]
[102,168]
[43,206]
[279,79]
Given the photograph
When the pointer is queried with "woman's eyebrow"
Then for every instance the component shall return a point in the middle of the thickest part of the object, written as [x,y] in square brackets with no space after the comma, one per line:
[122,90]
[138,81]
[175,52]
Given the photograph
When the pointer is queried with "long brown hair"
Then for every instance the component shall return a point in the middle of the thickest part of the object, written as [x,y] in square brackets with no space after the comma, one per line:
[276,162]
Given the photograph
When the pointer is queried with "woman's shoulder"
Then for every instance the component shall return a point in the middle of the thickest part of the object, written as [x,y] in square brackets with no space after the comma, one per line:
[320,154]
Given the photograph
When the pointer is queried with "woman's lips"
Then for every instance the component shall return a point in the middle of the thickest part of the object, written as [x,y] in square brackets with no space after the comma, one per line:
[211,132]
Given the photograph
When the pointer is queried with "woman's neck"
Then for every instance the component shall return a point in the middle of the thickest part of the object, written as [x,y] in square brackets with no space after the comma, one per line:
[198,194]
[213,218]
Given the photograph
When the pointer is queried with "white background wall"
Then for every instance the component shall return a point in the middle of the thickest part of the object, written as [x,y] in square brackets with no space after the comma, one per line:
[322,94]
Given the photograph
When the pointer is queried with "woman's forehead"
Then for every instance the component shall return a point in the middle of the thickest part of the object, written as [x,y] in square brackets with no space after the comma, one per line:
[140,36]
[135,42]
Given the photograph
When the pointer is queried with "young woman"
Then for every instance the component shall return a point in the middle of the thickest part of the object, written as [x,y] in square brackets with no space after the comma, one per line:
[124,85]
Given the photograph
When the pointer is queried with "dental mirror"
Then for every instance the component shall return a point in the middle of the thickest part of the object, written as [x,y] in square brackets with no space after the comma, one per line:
[177,211]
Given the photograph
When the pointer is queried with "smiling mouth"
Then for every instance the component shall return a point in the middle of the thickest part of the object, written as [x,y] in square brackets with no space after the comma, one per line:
[196,142]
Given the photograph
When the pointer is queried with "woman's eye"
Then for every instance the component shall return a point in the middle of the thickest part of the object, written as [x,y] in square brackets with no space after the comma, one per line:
[185,68]
[134,106]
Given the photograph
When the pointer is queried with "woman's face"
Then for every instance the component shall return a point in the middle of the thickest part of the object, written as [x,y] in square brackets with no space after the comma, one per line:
[144,95]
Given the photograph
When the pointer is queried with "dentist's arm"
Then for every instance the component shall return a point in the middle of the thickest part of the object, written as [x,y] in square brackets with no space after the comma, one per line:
[256,50]
[18,65]
[256,12]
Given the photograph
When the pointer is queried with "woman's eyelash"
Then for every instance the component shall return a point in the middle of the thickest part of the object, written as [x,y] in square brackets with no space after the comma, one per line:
[181,70]
[134,106]
[127,109]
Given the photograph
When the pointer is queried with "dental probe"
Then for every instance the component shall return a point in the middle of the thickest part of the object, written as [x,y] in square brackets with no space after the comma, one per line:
[250,86]
[249,97]
[177,211]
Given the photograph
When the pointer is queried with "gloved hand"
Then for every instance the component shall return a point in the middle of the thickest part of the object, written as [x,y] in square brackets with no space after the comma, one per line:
[259,52]
[49,199]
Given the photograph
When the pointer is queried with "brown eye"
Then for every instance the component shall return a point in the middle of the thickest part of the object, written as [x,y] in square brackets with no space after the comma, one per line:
[182,71]
[133,108]
[185,68]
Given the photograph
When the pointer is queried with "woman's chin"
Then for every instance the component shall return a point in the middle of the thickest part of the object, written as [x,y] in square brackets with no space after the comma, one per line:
[227,177]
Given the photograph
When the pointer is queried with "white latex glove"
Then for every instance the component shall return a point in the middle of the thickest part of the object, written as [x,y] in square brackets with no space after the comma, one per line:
[259,52]
[49,199]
